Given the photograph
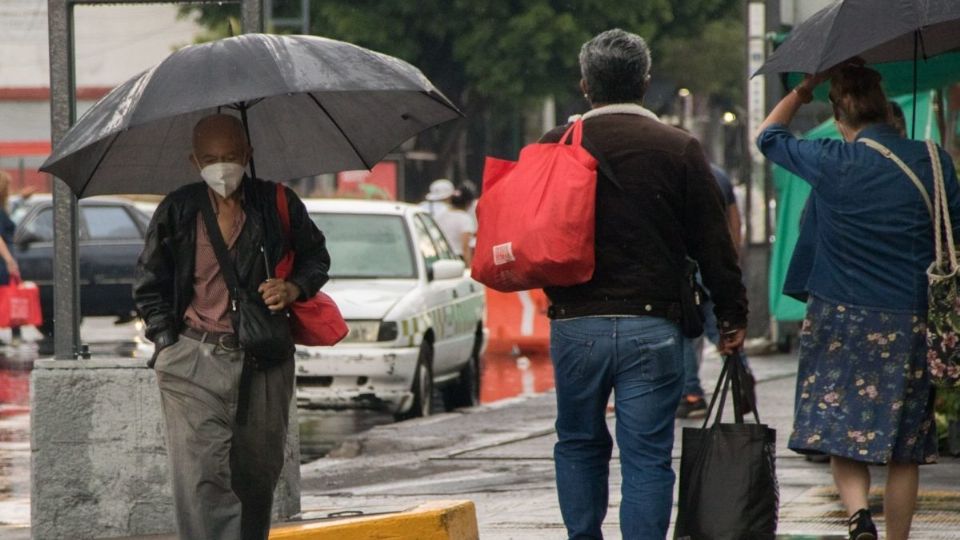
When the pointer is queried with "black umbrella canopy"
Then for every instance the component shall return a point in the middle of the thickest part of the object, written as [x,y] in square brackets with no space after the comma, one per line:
[877,30]
[313,105]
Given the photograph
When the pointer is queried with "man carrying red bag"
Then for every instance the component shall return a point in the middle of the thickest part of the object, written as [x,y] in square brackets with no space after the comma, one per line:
[657,205]
[225,383]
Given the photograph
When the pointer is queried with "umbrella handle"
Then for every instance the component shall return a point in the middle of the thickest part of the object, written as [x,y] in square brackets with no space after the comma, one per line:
[246,129]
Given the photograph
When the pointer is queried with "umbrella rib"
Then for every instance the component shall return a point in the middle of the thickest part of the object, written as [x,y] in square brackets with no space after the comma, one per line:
[446,103]
[340,129]
[99,161]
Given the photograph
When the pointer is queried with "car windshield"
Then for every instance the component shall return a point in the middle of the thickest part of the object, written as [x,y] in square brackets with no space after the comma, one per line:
[366,246]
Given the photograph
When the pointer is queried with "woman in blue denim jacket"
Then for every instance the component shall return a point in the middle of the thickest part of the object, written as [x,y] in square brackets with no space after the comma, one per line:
[863,391]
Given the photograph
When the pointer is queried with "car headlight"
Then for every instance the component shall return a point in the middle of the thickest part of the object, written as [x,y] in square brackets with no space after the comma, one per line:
[371,331]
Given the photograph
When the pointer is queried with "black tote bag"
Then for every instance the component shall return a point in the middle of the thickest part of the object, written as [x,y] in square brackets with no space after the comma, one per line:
[728,481]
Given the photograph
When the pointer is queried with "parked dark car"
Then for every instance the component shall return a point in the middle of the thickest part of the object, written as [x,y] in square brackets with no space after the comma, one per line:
[111,234]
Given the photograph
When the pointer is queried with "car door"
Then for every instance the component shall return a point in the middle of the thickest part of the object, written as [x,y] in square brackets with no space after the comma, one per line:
[467,307]
[111,239]
[453,339]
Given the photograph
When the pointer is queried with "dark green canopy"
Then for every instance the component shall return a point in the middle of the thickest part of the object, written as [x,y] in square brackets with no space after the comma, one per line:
[937,72]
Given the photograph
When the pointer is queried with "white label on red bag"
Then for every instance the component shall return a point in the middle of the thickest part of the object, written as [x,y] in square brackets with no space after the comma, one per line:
[503,254]
[19,309]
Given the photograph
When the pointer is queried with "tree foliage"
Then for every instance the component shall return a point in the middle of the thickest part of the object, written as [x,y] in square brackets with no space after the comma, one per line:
[498,50]
[712,63]
[495,57]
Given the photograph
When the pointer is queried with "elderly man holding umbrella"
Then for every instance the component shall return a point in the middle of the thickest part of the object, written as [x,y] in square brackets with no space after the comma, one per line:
[226,417]
[205,269]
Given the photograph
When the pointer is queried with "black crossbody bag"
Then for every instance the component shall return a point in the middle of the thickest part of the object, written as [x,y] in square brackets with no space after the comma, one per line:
[264,336]
[692,299]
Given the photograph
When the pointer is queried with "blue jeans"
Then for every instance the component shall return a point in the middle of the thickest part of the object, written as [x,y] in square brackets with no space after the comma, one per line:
[642,359]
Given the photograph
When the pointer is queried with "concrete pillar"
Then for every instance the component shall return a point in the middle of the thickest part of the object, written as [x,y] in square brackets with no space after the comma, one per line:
[99,462]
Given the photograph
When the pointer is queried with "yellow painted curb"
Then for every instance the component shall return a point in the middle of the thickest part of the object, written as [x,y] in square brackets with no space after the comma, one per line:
[436,520]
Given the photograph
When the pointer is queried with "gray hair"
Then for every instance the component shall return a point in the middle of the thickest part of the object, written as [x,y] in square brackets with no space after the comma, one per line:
[616,65]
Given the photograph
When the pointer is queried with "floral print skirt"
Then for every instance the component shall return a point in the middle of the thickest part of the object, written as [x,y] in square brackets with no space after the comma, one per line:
[863,391]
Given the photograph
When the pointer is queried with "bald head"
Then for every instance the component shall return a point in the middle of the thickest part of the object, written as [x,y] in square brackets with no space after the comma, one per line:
[220,138]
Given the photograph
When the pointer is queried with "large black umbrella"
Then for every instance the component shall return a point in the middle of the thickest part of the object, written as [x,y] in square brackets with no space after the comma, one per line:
[876,30]
[312,105]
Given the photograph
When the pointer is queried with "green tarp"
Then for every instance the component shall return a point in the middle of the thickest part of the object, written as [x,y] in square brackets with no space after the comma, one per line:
[793,193]
[936,72]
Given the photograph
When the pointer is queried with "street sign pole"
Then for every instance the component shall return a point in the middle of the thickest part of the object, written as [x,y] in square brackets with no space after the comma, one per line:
[757,232]
[63,113]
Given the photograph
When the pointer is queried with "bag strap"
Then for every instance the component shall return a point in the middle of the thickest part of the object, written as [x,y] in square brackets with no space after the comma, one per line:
[575,132]
[939,210]
[730,375]
[719,394]
[887,153]
[942,222]
[227,267]
[283,210]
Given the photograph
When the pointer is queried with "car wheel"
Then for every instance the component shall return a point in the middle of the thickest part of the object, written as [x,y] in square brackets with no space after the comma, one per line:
[422,387]
[465,391]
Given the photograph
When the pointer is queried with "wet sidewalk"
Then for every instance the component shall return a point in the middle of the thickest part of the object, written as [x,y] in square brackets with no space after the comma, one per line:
[500,456]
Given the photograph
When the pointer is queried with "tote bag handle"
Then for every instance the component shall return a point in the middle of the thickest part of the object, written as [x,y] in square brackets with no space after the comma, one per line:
[731,374]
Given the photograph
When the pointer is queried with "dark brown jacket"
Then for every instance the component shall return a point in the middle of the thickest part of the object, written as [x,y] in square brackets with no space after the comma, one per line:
[669,208]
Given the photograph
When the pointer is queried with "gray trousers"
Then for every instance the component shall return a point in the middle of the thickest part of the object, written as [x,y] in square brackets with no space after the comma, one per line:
[223,474]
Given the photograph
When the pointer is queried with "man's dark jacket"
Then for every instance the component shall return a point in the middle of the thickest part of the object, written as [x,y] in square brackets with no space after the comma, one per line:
[669,208]
[165,271]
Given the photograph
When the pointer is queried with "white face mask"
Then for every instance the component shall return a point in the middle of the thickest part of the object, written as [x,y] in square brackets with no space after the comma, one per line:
[223,178]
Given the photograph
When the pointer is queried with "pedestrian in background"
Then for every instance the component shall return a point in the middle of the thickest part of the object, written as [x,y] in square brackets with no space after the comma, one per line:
[9,269]
[458,225]
[693,404]
[225,438]
[620,330]
[437,200]
[863,392]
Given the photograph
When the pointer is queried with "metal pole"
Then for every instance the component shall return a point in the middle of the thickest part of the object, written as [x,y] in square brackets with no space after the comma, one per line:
[756,112]
[63,113]
[268,16]
[251,16]
[305,13]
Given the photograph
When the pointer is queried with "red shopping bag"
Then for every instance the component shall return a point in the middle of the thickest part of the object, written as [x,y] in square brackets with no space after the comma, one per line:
[536,217]
[314,321]
[20,304]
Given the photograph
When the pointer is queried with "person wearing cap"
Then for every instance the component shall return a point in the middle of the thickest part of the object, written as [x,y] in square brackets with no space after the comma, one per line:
[458,225]
[437,200]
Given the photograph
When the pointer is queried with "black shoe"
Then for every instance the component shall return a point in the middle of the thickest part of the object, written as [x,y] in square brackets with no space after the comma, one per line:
[862,527]
[692,406]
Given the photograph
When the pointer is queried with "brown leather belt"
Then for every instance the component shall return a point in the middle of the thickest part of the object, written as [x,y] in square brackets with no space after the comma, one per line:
[225,340]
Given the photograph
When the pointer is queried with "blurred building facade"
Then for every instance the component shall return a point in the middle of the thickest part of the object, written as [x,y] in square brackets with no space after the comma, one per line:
[113,43]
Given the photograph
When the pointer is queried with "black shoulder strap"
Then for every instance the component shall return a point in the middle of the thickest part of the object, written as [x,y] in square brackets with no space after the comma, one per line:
[220,248]
[229,271]
[602,164]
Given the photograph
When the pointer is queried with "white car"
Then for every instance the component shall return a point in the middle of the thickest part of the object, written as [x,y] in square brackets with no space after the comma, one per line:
[415,316]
